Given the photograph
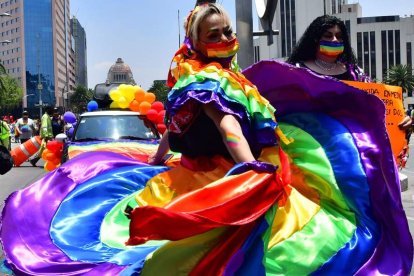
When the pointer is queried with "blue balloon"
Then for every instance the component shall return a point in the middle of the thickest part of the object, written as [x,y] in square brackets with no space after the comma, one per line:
[92,106]
[69,117]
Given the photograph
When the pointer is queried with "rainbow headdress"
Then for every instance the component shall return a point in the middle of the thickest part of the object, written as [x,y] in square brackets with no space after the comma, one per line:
[333,207]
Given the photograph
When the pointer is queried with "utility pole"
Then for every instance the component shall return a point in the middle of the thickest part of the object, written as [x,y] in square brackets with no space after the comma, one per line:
[244,26]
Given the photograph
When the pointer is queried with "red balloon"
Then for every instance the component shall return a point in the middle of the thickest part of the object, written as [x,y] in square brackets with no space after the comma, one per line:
[161,128]
[160,117]
[157,106]
[152,115]
[54,146]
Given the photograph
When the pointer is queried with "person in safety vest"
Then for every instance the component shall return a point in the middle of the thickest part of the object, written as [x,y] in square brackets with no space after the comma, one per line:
[5,134]
[46,133]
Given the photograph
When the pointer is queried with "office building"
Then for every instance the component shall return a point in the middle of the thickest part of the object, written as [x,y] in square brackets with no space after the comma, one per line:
[80,55]
[40,53]
[379,42]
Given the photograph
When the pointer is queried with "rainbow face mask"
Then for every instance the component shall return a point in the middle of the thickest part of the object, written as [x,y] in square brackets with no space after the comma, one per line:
[331,48]
[219,49]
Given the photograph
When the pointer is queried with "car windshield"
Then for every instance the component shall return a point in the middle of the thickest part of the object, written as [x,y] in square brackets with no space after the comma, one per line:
[115,127]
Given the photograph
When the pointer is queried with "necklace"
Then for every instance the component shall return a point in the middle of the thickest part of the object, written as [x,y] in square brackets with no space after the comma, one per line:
[325,66]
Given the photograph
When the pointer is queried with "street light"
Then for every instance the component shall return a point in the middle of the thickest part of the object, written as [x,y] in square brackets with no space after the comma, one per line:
[5,41]
[25,96]
[5,14]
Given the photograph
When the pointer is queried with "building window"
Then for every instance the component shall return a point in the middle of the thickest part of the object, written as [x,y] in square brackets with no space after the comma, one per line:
[397,47]
[366,53]
[373,61]
[293,16]
[384,52]
[288,28]
[409,54]
[359,48]
[256,53]
[390,48]
[282,27]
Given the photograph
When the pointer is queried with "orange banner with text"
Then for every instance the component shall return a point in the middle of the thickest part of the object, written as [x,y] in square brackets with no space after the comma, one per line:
[392,99]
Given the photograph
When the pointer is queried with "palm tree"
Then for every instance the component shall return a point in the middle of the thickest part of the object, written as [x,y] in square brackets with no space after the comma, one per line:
[400,75]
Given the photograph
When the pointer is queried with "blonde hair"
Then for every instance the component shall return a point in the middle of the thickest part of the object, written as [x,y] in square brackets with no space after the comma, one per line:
[199,13]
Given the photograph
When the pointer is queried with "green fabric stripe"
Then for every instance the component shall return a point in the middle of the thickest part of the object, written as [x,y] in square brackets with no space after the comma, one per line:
[115,226]
[324,235]
[329,229]
[309,156]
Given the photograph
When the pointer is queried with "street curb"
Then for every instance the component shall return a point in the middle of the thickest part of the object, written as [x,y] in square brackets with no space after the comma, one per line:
[403,182]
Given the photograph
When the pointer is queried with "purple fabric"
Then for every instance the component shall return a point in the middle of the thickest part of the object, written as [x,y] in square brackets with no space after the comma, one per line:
[291,89]
[19,240]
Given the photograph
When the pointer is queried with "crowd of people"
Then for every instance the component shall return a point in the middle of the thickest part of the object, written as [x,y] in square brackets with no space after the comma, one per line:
[313,193]
[24,128]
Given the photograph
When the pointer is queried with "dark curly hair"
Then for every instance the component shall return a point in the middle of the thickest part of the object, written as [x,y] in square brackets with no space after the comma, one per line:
[308,44]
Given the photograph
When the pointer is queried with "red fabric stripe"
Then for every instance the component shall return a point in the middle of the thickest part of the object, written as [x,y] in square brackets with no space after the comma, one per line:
[216,260]
[192,215]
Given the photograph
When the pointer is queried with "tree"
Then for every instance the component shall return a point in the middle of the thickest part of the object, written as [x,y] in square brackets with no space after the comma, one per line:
[80,99]
[400,75]
[10,91]
[160,89]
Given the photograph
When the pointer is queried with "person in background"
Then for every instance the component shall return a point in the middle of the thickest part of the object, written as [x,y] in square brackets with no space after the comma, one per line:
[46,134]
[25,127]
[325,49]
[5,133]
[57,123]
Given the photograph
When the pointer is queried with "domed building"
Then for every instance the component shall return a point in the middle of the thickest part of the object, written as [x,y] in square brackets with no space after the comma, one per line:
[119,73]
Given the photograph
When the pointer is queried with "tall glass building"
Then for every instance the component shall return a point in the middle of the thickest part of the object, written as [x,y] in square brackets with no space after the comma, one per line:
[40,53]
[79,36]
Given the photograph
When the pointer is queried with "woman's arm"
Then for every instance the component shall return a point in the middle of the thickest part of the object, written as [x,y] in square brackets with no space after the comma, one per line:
[405,123]
[231,133]
[162,150]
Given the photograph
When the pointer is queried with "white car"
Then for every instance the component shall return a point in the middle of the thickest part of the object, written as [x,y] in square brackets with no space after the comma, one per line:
[123,132]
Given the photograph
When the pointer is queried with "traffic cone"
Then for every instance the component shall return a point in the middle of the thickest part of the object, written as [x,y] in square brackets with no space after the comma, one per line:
[25,150]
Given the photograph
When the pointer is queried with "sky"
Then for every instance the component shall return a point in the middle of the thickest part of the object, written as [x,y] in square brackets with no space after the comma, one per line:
[146,33]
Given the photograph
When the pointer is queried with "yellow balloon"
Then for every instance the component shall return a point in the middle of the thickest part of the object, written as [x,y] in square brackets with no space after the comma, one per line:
[123,103]
[114,105]
[129,93]
[115,95]
[122,86]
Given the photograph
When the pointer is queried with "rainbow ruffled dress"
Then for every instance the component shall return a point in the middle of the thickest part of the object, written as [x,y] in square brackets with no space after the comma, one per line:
[333,206]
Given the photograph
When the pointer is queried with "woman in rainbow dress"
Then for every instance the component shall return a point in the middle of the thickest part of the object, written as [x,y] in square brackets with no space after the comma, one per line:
[314,193]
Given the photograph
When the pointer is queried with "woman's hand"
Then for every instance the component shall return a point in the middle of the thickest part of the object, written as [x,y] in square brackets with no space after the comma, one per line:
[154,159]
[405,123]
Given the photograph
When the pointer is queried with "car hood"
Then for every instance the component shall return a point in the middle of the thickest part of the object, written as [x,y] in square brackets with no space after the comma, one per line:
[139,150]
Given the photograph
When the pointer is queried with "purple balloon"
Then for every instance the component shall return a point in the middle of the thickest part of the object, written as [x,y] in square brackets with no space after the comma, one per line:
[69,117]
[70,131]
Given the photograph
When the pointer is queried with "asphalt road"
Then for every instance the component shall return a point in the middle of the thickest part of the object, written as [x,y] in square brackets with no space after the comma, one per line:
[20,177]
